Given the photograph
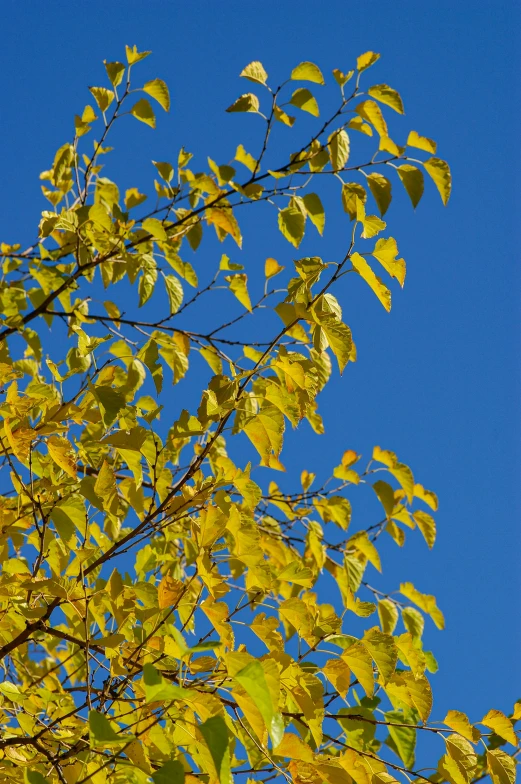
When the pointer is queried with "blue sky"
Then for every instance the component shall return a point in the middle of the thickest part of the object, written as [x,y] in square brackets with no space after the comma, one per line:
[438,380]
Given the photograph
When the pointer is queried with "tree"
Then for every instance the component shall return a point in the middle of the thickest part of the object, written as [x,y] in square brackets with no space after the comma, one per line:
[166,608]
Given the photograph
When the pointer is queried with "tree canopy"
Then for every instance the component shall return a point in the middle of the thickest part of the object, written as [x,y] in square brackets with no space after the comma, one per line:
[169,611]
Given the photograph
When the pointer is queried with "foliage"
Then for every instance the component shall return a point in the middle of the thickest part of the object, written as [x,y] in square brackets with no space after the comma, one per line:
[164,614]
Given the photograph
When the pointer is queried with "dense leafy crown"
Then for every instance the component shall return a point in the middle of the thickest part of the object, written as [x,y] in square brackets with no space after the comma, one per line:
[162,612]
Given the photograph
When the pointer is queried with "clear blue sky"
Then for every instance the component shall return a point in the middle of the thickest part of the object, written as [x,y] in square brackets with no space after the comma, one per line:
[438,380]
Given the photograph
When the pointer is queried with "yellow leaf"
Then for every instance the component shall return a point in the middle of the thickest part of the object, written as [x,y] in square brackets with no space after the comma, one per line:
[158,89]
[169,591]
[371,112]
[459,722]
[282,117]
[133,56]
[427,496]
[425,602]
[501,725]
[19,440]
[388,614]
[412,179]
[255,72]
[388,96]
[366,60]
[365,272]
[338,146]
[380,187]
[245,103]
[265,431]
[387,145]
[238,285]
[102,96]
[386,251]
[362,543]
[305,100]
[307,72]
[383,651]
[245,158]
[272,268]
[292,747]
[501,766]
[357,124]
[292,224]
[315,211]
[61,451]
[421,142]
[338,674]
[414,691]
[358,659]
[225,223]
[352,193]
[143,111]
[427,526]
[440,173]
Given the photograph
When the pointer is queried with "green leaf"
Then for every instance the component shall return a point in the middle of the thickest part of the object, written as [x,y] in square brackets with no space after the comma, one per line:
[315,211]
[413,621]
[245,103]
[143,111]
[238,285]
[11,691]
[110,401]
[412,179]
[102,732]
[380,187]
[255,72]
[439,171]
[366,60]
[404,738]
[158,89]
[388,96]
[338,146]
[34,777]
[171,772]
[365,272]
[292,224]
[215,733]
[307,72]
[253,681]
[305,100]
[159,690]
